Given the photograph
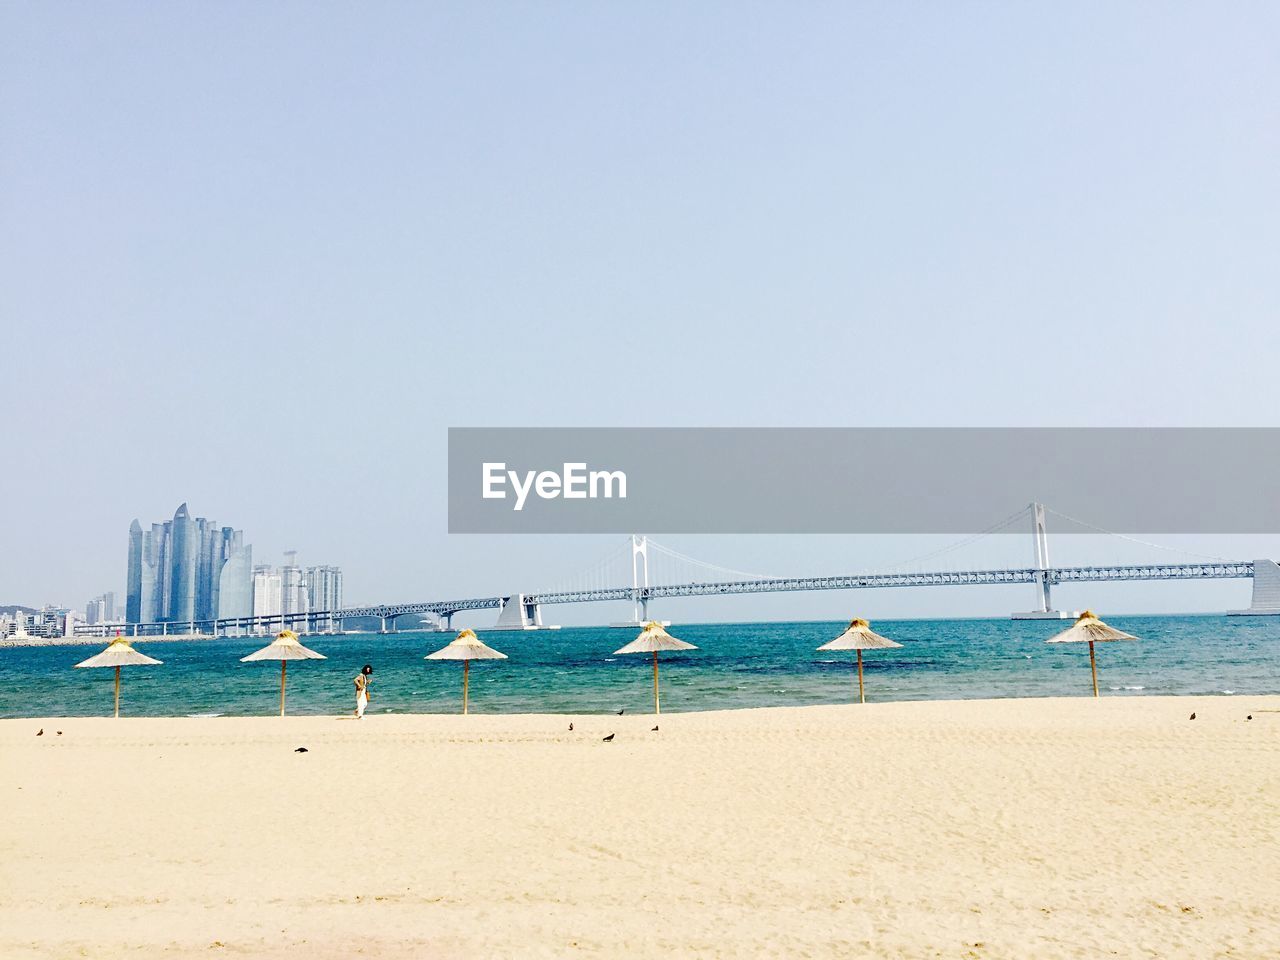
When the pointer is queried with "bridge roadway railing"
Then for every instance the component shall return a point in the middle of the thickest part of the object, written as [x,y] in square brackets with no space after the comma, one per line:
[430,606]
[1164,571]
[1115,572]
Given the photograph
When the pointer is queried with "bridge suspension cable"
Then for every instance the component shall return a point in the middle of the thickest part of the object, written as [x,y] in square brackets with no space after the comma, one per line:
[611,571]
[1020,514]
[1123,536]
[677,576]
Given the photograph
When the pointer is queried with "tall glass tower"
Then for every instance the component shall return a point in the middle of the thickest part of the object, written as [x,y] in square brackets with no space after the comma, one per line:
[188,571]
[133,598]
[184,553]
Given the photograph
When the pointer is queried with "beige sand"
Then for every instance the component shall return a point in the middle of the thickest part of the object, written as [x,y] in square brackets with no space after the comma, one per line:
[1035,828]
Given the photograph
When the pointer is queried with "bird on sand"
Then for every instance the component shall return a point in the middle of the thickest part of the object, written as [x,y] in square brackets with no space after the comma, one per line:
[40,732]
[654,730]
[302,750]
[620,712]
[1249,717]
[59,733]
[1192,717]
[609,738]
[571,728]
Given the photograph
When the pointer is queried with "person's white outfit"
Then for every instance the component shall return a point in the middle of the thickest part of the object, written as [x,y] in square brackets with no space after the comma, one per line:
[362,695]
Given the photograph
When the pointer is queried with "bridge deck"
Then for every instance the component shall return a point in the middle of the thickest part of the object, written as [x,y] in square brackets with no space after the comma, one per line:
[1056,575]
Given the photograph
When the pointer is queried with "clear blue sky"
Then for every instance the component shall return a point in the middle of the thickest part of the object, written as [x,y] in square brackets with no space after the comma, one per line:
[259,257]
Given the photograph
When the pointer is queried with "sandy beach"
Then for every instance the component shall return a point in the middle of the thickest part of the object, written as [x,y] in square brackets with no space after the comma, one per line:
[1014,828]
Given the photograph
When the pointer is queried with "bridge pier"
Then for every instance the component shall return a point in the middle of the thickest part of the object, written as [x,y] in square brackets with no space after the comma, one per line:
[1266,591]
[520,614]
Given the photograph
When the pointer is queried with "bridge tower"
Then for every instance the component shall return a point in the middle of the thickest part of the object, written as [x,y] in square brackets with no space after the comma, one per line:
[640,581]
[639,584]
[1044,602]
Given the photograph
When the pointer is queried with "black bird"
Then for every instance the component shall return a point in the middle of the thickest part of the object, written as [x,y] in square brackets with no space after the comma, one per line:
[302,750]
[40,732]
[59,733]
[620,711]
[1192,717]
[571,728]
[609,738]
[1249,717]
[655,729]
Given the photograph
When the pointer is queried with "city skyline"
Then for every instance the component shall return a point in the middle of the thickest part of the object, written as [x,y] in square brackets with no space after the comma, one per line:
[190,570]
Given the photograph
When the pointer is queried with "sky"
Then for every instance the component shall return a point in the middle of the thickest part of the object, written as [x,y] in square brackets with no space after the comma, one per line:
[259,258]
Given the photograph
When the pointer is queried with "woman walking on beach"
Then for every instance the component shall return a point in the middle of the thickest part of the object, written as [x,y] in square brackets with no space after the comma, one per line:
[363,679]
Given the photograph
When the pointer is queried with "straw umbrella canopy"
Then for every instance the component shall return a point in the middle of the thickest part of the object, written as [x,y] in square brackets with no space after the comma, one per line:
[466,647]
[1089,629]
[284,647]
[859,636]
[119,653]
[652,639]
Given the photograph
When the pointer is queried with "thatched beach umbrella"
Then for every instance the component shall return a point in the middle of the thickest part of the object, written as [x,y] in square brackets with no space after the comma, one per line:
[466,647]
[284,647]
[859,636]
[1089,629]
[652,639]
[119,653]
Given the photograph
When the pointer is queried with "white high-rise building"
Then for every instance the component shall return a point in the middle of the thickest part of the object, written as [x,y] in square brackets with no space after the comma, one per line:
[293,586]
[324,588]
[292,592]
[266,592]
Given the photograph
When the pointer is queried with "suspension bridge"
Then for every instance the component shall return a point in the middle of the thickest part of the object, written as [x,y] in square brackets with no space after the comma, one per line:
[657,572]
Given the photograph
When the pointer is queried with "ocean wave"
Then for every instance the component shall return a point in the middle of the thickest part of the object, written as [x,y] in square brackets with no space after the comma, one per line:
[203,716]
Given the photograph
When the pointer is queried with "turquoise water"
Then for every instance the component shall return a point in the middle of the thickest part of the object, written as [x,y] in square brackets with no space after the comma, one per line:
[737,665]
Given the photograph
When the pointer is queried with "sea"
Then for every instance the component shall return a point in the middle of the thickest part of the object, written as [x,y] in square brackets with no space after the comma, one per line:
[575,670]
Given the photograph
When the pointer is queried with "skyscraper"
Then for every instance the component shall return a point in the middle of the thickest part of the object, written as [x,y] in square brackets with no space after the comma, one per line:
[235,582]
[184,545]
[266,591]
[324,588]
[187,571]
[133,591]
[101,609]
[293,586]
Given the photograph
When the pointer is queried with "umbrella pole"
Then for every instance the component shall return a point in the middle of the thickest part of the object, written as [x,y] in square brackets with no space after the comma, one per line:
[117,691]
[862,694]
[466,677]
[283,665]
[1093,667]
[657,703]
